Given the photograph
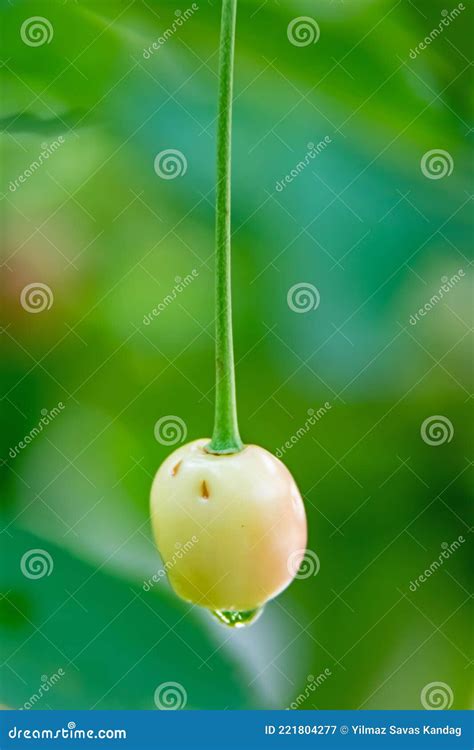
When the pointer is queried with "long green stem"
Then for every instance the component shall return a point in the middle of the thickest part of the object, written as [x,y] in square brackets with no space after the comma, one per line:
[226,437]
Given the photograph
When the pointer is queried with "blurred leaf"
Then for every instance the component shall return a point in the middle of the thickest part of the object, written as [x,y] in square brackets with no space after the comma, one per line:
[114,642]
[23,122]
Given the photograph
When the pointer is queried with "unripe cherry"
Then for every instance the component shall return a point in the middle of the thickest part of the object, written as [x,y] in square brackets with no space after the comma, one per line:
[228,519]
[238,523]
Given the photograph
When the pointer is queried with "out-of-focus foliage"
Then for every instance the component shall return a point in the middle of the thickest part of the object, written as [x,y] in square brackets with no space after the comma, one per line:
[362,223]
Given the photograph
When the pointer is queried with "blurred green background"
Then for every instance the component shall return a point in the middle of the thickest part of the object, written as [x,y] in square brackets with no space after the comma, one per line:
[109,237]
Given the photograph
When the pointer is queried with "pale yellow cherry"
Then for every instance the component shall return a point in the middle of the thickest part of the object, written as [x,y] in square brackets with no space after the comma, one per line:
[228,519]
[231,529]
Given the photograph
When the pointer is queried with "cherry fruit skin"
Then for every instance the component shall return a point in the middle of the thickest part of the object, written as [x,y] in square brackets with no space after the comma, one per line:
[231,529]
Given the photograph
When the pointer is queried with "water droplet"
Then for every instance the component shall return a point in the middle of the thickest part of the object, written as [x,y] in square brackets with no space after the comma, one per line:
[235,619]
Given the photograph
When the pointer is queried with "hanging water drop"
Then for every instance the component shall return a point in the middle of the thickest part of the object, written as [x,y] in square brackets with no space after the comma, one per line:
[233,619]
